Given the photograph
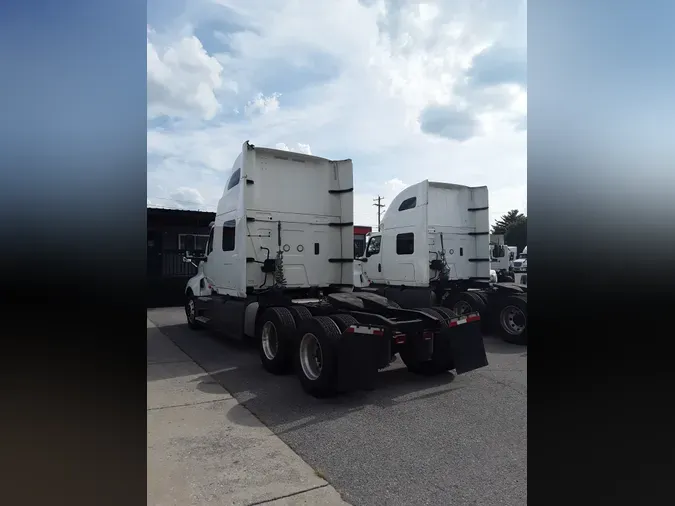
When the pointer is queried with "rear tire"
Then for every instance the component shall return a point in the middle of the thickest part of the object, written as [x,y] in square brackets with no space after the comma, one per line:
[191,311]
[469,302]
[275,333]
[343,321]
[441,358]
[300,314]
[448,313]
[317,356]
[512,319]
[433,313]
[483,296]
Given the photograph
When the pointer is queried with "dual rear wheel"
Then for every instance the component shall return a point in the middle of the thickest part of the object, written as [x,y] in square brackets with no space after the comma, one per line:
[292,339]
[441,358]
[507,314]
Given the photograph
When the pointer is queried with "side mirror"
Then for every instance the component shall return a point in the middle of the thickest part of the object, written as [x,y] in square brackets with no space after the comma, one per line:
[189,259]
[363,259]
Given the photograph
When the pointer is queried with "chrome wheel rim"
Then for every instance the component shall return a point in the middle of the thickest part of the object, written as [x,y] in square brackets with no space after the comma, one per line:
[270,340]
[191,311]
[462,307]
[311,357]
[513,320]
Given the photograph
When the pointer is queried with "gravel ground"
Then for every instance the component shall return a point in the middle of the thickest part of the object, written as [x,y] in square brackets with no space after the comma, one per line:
[413,441]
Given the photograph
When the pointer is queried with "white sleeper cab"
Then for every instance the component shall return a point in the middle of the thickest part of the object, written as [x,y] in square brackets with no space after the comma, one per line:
[278,268]
[434,250]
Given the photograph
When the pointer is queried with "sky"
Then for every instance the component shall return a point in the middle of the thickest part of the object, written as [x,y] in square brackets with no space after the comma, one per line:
[408,90]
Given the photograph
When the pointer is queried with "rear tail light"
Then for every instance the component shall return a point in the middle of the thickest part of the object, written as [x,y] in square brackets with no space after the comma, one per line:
[399,338]
[427,335]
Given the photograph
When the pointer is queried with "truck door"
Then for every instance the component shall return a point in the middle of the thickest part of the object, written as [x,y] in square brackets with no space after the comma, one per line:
[209,264]
[372,268]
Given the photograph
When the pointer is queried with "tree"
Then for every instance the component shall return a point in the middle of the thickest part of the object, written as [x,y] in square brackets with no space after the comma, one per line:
[506,221]
[516,234]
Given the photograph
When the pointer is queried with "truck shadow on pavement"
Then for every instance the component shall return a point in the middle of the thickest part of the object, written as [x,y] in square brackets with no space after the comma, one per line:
[296,410]
[279,401]
[497,345]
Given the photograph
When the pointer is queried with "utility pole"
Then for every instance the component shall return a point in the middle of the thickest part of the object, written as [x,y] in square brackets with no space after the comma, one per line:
[379,206]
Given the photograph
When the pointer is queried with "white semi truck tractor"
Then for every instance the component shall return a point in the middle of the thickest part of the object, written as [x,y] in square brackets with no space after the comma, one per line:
[434,250]
[278,268]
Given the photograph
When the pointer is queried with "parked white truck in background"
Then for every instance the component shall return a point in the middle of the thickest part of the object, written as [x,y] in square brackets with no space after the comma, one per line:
[513,254]
[434,250]
[520,268]
[279,268]
[500,260]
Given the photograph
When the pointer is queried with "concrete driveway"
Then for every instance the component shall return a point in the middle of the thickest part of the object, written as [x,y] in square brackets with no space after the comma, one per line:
[413,441]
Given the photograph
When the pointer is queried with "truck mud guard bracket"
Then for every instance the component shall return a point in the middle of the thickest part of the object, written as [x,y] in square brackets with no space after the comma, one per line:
[478,233]
[479,259]
[349,224]
[478,208]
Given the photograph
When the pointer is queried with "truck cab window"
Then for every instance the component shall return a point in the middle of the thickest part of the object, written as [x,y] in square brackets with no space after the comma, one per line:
[209,248]
[405,244]
[408,204]
[373,246]
[229,229]
[234,180]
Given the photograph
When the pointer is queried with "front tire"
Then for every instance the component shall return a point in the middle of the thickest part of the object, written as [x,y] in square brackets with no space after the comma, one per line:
[275,333]
[191,311]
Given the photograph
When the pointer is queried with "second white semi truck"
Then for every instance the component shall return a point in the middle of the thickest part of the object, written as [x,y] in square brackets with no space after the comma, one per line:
[434,250]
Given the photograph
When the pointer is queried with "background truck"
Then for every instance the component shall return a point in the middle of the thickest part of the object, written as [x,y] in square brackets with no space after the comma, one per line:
[434,249]
[520,268]
[360,233]
[279,268]
[513,254]
[500,258]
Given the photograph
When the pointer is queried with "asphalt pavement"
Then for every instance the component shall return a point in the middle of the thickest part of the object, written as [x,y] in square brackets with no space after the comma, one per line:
[412,441]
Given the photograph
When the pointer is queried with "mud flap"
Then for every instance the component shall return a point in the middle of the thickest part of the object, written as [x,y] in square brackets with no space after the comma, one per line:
[358,358]
[467,347]
[422,349]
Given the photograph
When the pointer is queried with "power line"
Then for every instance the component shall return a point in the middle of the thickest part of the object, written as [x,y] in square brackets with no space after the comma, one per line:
[379,206]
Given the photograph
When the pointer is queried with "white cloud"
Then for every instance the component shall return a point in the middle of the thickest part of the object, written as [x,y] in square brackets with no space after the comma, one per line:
[186,198]
[357,80]
[262,104]
[298,148]
[183,80]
